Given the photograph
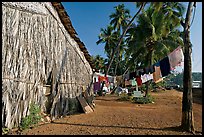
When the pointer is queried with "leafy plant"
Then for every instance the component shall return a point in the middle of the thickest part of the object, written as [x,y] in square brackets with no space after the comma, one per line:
[124,97]
[143,100]
[5,131]
[33,118]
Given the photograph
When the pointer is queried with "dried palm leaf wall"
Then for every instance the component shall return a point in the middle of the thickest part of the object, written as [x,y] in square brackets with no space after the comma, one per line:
[38,52]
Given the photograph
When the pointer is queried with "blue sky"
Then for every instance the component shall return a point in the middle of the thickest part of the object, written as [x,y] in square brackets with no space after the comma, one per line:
[89,17]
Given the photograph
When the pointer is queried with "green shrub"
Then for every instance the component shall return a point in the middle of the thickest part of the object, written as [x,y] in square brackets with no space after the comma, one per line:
[124,97]
[5,131]
[32,119]
[143,100]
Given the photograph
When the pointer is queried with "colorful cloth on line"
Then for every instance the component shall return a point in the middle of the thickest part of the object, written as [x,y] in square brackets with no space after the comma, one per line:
[133,82]
[111,85]
[146,70]
[176,57]
[149,77]
[107,84]
[149,69]
[96,86]
[164,66]
[132,75]
[102,78]
[139,81]
[127,76]
[127,82]
[141,72]
[157,77]
[110,79]
[144,78]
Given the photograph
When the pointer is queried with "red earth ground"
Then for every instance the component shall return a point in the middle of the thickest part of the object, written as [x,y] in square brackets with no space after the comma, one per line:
[112,117]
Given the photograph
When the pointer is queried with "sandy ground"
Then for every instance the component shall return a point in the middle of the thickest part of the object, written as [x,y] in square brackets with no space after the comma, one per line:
[112,117]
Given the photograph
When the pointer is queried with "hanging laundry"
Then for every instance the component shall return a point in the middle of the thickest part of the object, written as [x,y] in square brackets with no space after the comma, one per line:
[157,77]
[133,82]
[176,57]
[149,76]
[144,78]
[95,79]
[165,66]
[102,78]
[146,70]
[127,76]
[127,83]
[96,86]
[111,86]
[141,72]
[110,79]
[107,84]
[181,64]
[139,81]
[151,69]
[132,75]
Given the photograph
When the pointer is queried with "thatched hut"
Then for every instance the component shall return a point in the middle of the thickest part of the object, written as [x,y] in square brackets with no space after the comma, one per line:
[43,61]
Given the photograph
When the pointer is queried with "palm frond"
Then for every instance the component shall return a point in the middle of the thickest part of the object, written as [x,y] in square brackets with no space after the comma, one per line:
[100,41]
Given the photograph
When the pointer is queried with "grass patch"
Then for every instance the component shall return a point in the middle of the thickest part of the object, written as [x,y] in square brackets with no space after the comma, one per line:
[140,100]
[124,97]
[143,100]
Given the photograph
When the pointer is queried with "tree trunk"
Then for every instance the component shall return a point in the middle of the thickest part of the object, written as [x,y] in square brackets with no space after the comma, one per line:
[116,67]
[187,122]
[150,60]
[117,63]
[147,89]
[117,57]
[120,40]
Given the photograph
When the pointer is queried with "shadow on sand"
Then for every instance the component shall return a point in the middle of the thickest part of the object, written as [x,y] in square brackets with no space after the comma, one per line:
[175,128]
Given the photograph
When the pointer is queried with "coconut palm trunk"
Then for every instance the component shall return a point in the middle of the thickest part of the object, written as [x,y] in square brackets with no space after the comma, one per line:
[187,122]
[117,63]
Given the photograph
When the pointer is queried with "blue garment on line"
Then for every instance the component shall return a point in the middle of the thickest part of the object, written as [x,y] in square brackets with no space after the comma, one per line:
[164,66]
[132,75]
[157,64]
[151,69]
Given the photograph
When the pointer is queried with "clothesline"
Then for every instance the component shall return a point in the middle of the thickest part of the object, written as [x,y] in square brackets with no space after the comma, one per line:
[155,72]
[158,70]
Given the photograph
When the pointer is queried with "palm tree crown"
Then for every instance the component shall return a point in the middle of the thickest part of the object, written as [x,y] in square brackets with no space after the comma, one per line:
[120,17]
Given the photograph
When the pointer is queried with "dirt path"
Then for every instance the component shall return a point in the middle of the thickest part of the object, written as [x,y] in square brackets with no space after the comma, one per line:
[112,117]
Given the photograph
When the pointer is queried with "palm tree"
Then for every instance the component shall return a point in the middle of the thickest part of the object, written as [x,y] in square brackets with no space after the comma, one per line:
[119,20]
[99,62]
[109,37]
[173,10]
[154,36]
[141,5]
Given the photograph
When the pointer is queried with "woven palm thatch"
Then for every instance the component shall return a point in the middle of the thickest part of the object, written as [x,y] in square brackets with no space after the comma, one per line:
[42,61]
